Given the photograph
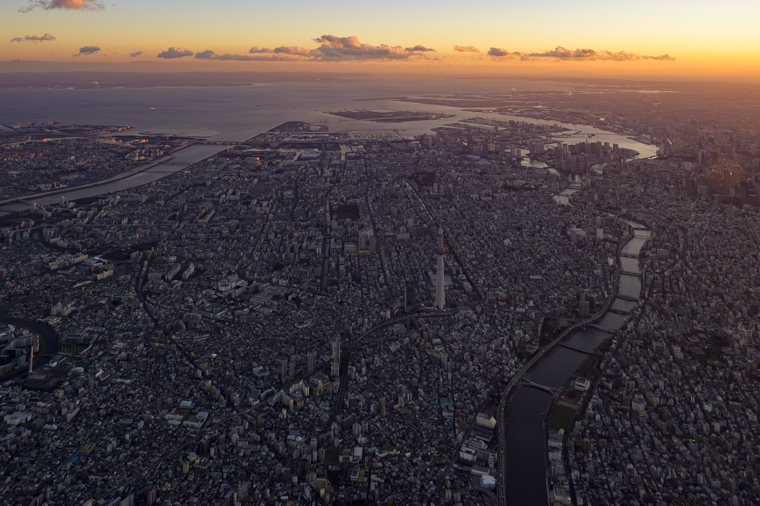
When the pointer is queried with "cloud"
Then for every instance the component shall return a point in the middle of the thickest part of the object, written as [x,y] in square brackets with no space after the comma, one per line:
[566,54]
[175,52]
[616,56]
[334,48]
[499,52]
[204,55]
[419,49]
[467,49]
[81,5]
[34,38]
[662,57]
[136,54]
[294,50]
[88,50]
[210,55]
[560,53]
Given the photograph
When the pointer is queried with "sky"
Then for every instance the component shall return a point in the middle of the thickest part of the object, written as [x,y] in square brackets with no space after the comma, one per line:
[677,38]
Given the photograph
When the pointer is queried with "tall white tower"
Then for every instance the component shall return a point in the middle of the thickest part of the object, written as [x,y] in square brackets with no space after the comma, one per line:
[31,354]
[440,295]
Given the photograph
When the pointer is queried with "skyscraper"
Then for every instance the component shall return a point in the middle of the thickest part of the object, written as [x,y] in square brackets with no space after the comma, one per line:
[440,295]
[284,368]
[335,362]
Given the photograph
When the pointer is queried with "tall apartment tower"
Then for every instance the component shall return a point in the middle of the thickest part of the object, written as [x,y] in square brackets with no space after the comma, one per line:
[284,368]
[335,363]
[440,295]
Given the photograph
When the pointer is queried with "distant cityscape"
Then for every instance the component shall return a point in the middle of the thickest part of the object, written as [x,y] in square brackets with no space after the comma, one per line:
[548,298]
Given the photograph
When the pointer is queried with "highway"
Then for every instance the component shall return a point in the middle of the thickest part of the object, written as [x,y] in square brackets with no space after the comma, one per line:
[49,340]
[345,356]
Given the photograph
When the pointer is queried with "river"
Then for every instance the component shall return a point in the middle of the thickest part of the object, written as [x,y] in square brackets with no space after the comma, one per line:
[525,438]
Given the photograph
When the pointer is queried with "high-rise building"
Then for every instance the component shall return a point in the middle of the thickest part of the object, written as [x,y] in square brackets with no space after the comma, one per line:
[31,357]
[440,295]
[586,305]
[335,363]
[311,363]
[591,303]
[284,368]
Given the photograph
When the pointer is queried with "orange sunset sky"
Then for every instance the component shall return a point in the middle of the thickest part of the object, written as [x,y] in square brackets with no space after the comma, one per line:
[674,38]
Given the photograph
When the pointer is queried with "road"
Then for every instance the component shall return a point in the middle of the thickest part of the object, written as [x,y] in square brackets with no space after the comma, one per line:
[345,356]
[174,452]
[455,454]
[194,439]
[48,346]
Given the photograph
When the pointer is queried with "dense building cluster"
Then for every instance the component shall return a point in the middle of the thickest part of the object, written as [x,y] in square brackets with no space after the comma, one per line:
[674,417]
[199,318]
[32,164]
[259,327]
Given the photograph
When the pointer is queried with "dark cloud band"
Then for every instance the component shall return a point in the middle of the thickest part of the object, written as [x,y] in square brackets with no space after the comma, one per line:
[560,53]
[81,5]
[175,52]
[84,51]
[34,38]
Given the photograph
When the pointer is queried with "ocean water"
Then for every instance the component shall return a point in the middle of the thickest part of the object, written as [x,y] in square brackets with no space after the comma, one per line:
[240,112]
[235,114]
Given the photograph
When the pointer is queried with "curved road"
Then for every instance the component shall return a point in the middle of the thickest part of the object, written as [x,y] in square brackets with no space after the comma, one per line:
[345,356]
[50,338]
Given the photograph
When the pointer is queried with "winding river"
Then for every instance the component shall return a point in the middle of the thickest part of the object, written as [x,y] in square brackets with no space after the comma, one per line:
[525,437]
